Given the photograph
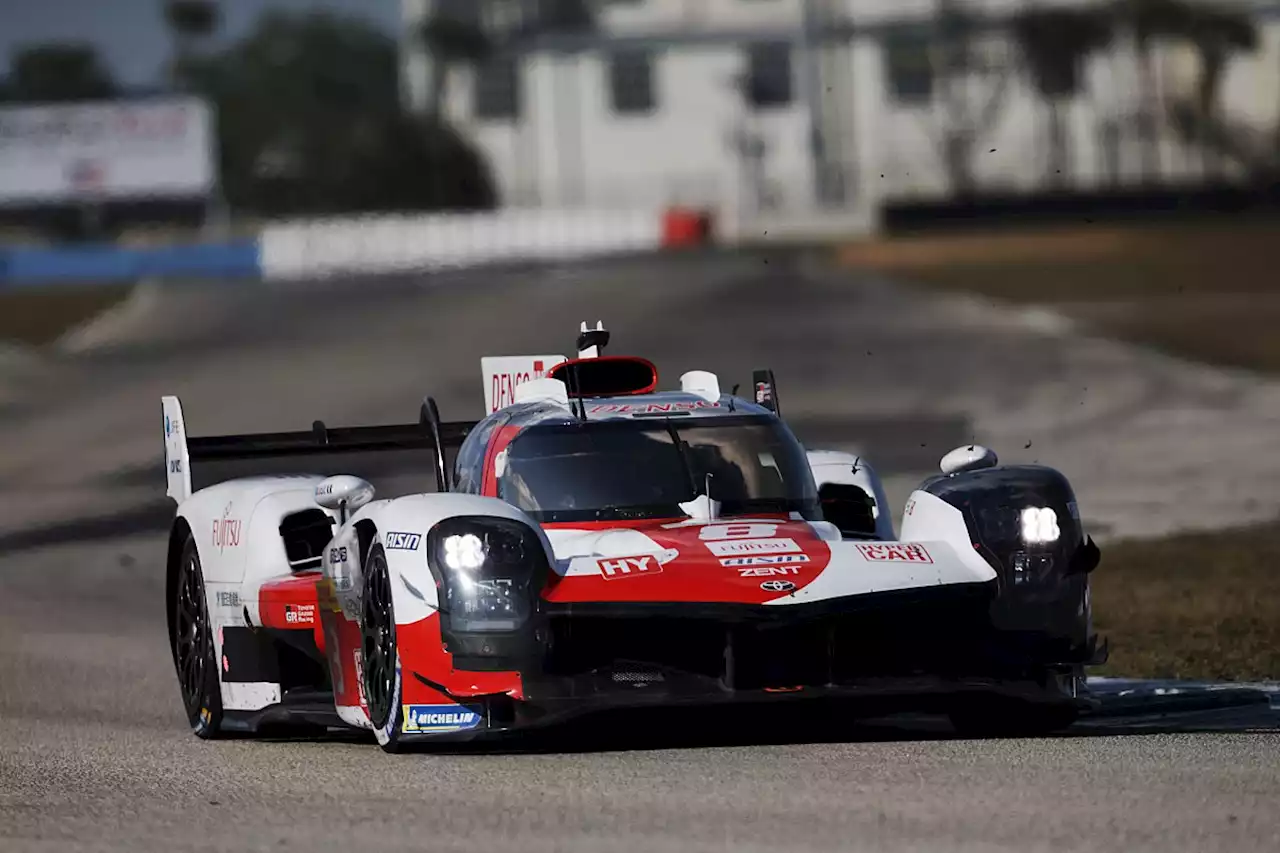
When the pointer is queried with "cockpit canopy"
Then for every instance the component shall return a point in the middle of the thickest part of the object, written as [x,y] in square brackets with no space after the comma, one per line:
[644,468]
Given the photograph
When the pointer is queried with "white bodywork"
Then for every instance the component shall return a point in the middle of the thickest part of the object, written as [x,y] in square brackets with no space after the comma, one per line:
[236,529]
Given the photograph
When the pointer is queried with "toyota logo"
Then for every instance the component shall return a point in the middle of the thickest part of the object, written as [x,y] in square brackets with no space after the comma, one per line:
[777,586]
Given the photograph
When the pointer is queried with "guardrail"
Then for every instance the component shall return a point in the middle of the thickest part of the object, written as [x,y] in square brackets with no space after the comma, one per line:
[373,244]
[23,267]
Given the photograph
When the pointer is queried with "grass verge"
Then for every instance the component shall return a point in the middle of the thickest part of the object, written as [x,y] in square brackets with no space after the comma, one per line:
[39,316]
[1209,291]
[1203,606]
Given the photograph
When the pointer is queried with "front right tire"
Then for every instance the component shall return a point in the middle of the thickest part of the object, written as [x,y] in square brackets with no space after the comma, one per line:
[380,655]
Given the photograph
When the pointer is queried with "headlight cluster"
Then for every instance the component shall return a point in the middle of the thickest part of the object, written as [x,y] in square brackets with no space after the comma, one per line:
[489,568]
[1028,542]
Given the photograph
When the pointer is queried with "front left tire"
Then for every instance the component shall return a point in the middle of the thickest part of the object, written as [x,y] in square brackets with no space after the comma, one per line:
[194,656]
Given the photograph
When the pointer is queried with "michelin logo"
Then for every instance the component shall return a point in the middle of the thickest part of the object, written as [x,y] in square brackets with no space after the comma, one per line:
[439,718]
[403,541]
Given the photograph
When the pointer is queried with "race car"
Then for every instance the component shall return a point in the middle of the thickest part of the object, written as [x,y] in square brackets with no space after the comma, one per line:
[596,543]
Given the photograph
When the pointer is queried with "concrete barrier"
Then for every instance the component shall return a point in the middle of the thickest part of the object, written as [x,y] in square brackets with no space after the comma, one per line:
[23,267]
[440,241]
[407,243]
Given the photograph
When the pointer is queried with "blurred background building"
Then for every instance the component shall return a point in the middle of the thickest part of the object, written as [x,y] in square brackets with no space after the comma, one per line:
[802,105]
[771,116]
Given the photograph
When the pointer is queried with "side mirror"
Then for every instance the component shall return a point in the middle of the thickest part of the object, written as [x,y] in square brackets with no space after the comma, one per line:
[849,508]
[1086,558]
[970,457]
[344,493]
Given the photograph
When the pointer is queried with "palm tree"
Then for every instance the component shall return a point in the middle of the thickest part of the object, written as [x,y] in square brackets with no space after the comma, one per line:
[1216,34]
[968,110]
[59,72]
[1054,43]
[453,35]
[456,33]
[191,23]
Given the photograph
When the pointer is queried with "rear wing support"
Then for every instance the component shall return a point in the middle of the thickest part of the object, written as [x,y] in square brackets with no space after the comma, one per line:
[183,452]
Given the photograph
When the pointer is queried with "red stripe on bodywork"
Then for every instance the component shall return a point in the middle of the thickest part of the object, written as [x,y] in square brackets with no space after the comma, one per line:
[422,651]
[292,604]
[502,436]
[342,637]
[696,572]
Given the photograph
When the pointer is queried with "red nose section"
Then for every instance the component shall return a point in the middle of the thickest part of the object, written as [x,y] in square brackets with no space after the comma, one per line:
[732,561]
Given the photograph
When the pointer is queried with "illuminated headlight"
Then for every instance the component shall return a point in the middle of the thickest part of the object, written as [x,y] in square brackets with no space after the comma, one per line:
[488,566]
[1039,525]
[464,552]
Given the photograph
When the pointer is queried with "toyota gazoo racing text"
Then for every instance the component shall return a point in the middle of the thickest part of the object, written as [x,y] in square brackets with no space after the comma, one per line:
[594,542]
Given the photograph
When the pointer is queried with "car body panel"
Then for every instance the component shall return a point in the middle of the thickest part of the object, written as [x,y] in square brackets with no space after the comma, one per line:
[274,593]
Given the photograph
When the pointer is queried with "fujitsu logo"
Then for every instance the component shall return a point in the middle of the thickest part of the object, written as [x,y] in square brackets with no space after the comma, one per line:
[226,531]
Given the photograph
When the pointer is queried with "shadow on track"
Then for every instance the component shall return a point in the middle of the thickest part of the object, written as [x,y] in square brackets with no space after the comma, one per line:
[746,727]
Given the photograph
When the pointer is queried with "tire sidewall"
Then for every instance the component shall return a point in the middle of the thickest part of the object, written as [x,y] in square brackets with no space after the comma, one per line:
[205,718]
[388,731]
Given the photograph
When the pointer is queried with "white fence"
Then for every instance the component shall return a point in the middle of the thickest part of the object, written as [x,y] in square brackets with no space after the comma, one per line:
[388,244]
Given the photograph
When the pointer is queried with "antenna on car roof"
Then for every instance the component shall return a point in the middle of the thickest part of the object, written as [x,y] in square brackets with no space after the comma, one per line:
[592,341]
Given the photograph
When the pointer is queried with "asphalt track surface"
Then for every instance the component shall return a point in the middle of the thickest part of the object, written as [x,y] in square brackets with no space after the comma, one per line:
[94,753]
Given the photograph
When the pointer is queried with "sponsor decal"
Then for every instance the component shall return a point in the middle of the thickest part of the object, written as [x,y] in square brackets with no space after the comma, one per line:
[343,584]
[324,489]
[226,531]
[628,567]
[742,530]
[402,541]
[175,466]
[729,547]
[765,560]
[359,659]
[351,609]
[330,629]
[911,506]
[764,394]
[767,571]
[438,718]
[227,599]
[325,597]
[649,408]
[300,614]
[896,552]
[168,427]
[777,586]
[506,373]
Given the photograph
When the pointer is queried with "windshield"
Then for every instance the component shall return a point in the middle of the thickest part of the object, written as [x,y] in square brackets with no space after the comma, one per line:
[644,469]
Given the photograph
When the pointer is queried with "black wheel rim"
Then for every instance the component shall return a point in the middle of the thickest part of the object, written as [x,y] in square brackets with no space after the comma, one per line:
[191,635]
[379,641]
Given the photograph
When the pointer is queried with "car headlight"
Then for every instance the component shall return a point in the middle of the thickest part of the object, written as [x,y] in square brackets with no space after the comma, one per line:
[488,568]
[1039,525]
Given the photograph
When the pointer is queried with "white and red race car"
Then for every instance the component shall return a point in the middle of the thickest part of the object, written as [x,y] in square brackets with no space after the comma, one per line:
[598,543]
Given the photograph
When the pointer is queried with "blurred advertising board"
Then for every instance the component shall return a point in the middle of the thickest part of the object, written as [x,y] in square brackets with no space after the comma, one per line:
[106,151]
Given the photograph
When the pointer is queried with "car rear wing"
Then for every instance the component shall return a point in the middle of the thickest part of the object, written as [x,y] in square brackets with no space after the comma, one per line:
[191,463]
